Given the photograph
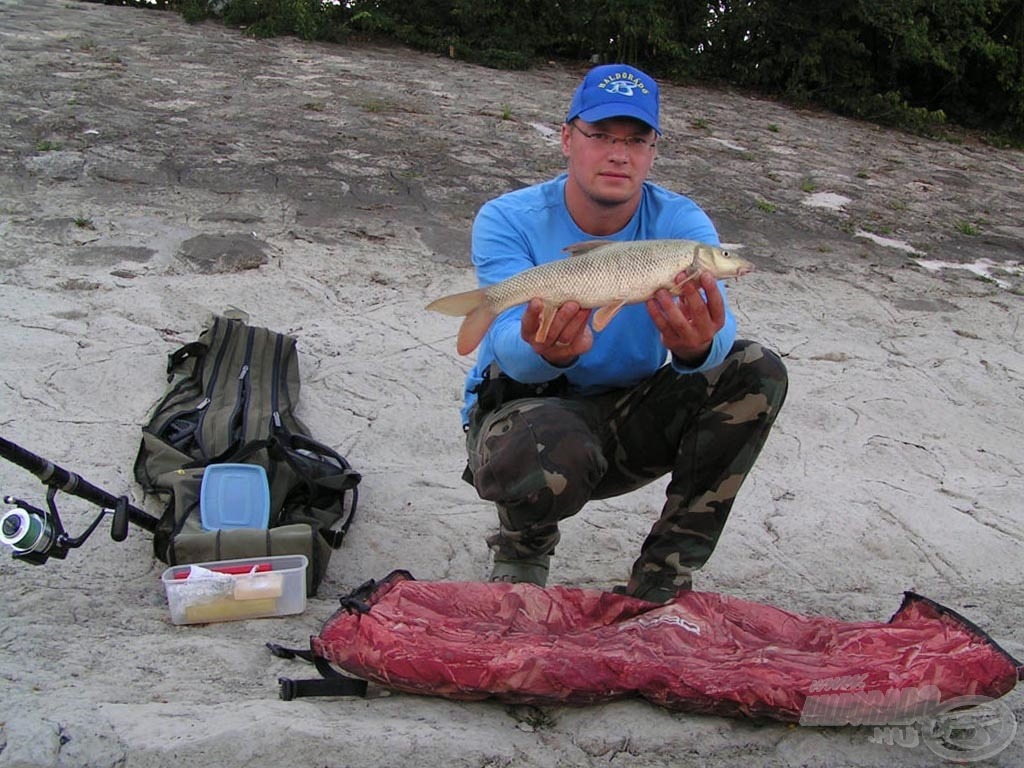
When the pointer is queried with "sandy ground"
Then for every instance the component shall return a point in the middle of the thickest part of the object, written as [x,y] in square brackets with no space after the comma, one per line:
[152,172]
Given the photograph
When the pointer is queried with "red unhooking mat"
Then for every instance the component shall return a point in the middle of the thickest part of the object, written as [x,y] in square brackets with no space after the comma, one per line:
[701,652]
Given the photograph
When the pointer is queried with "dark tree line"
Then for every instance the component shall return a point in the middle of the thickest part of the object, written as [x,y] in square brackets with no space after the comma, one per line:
[914,63]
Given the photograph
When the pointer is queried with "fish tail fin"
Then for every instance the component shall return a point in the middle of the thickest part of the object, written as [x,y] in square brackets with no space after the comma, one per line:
[458,304]
[473,328]
[479,316]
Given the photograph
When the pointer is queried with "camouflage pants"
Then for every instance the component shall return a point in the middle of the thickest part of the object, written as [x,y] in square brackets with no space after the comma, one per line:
[540,459]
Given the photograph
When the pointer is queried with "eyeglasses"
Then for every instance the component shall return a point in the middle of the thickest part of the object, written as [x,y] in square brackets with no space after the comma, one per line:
[607,140]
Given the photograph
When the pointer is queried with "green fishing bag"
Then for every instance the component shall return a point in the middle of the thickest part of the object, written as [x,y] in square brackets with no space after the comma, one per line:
[231,398]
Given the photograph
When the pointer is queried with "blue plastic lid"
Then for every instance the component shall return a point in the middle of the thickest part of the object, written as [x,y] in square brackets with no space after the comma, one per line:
[234,496]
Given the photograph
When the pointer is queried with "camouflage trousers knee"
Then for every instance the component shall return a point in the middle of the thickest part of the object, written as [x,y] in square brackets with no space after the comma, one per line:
[540,459]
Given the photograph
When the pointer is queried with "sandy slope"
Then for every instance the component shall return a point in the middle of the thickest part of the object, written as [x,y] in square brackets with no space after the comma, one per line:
[152,172]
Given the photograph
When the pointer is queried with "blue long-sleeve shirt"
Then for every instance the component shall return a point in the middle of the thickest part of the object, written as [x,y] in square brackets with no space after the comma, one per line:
[532,226]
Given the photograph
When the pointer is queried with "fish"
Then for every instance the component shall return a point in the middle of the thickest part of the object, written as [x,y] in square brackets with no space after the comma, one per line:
[600,274]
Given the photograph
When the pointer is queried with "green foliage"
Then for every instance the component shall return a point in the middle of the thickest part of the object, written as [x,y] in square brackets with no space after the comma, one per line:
[890,109]
[642,32]
[488,33]
[912,63]
[195,10]
[308,19]
[157,4]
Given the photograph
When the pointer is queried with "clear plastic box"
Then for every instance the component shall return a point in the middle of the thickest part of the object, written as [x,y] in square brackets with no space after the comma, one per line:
[228,590]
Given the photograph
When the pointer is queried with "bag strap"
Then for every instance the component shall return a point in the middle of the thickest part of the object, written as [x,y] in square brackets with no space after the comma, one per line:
[176,358]
[345,481]
[331,682]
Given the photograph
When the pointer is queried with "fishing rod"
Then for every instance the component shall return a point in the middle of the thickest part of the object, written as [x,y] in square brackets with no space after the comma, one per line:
[35,534]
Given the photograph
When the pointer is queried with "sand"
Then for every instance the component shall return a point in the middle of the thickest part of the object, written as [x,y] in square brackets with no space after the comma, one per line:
[153,172]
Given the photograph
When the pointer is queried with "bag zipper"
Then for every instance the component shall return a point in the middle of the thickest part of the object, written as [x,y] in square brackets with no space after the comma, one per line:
[213,381]
[275,417]
[240,413]
[275,387]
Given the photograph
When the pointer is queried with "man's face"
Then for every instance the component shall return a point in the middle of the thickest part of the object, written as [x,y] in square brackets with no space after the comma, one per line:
[610,159]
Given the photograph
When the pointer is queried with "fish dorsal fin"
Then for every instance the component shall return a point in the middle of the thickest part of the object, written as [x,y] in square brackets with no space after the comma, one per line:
[587,245]
[604,315]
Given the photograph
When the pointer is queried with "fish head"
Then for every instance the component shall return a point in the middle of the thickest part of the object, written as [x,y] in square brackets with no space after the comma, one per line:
[720,262]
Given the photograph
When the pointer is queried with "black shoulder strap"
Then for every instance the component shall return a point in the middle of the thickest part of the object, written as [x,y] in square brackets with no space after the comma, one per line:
[332,682]
[176,358]
[284,445]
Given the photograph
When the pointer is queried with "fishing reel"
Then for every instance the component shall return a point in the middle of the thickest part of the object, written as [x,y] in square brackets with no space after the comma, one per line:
[36,535]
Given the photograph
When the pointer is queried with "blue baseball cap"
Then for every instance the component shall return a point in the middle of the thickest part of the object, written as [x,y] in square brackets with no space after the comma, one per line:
[616,90]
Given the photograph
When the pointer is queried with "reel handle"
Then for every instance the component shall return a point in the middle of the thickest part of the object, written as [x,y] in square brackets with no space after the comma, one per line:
[119,526]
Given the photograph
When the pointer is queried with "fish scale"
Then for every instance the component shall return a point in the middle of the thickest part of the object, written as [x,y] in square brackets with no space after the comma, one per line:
[593,279]
[599,274]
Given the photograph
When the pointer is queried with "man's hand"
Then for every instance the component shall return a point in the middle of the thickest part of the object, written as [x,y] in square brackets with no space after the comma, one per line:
[568,337]
[689,324]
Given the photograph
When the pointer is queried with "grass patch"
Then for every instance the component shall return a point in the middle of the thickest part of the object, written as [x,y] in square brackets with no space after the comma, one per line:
[375,106]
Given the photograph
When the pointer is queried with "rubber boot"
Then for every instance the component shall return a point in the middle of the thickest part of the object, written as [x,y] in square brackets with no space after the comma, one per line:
[533,570]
